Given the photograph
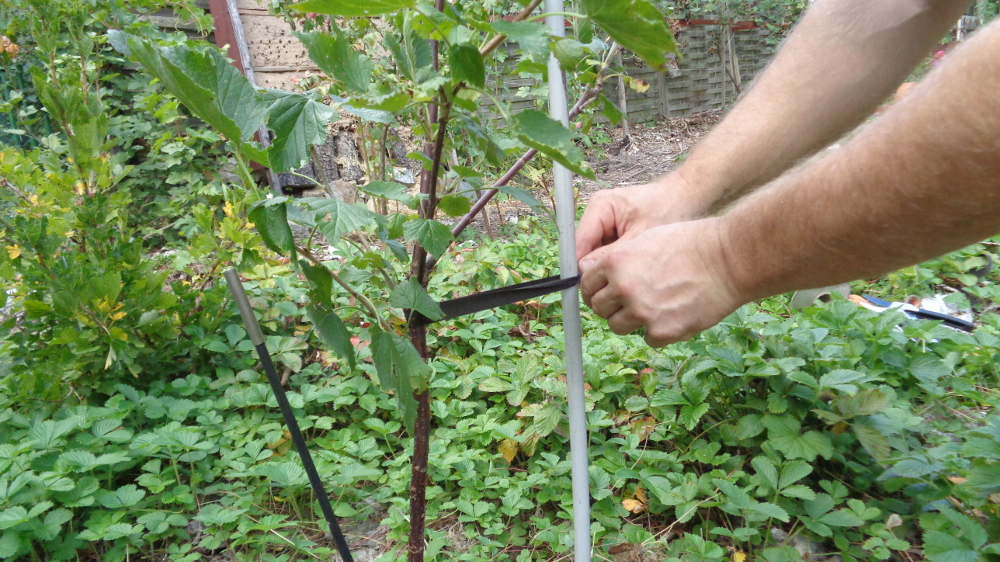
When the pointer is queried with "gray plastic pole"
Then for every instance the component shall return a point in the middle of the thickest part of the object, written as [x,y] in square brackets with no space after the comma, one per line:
[572,334]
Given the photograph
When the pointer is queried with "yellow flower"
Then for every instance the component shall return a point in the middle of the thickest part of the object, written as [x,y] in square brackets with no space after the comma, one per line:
[14,251]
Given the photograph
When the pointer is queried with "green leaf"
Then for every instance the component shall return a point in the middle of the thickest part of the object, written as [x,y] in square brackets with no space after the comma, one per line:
[332,332]
[334,55]
[272,224]
[400,370]
[799,491]
[320,283]
[537,130]
[410,295]
[792,472]
[454,205]
[770,510]
[943,547]
[611,111]
[430,234]
[690,415]
[873,441]
[205,82]
[126,496]
[927,368]
[467,65]
[843,380]
[413,55]
[765,469]
[532,37]
[10,544]
[636,25]
[298,121]
[13,516]
[863,403]
[390,190]
[733,493]
[783,435]
[841,518]
[352,8]
[344,218]
[749,426]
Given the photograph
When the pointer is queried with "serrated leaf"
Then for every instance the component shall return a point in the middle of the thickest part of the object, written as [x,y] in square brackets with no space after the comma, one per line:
[332,332]
[344,218]
[352,8]
[734,494]
[873,441]
[843,380]
[125,496]
[430,234]
[400,370]
[799,491]
[334,55]
[496,384]
[271,222]
[298,121]
[636,25]
[841,518]
[410,295]
[863,403]
[792,472]
[537,130]
[770,510]
[749,426]
[765,469]
[13,516]
[10,544]
[783,435]
[320,283]
[532,37]
[390,190]
[467,65]
[205,83]
[943,547]
[690,415]
[454,205]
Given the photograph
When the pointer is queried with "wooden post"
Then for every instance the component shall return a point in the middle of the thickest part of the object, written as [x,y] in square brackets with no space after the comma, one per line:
[229,31]
[623,100]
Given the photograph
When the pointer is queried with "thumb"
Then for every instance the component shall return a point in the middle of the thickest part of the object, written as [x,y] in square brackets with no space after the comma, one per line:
[591,259]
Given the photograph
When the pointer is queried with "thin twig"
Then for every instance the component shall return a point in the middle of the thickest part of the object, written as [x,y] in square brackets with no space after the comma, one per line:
[369,306]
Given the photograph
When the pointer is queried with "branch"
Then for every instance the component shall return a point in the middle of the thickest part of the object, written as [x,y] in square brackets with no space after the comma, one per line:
[498,39]
[369,306]
[585,100]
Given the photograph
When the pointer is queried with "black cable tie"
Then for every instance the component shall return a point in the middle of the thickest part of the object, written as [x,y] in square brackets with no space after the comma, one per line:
[486,300]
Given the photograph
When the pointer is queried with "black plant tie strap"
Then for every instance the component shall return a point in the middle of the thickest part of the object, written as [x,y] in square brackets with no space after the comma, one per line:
[257,338]
[498,297]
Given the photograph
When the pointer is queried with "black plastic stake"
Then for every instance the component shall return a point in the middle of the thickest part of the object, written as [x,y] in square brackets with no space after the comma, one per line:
[257,338]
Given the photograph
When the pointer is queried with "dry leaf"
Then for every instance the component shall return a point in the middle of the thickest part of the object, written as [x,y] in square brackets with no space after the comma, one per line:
[893,521]
[640,494]
[994,498]
[638,85]
[956,480]
[508,448]
[739,556]
[633,506]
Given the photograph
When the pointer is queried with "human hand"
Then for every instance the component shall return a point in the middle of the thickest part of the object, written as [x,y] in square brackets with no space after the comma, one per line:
[672,279]
[625,212]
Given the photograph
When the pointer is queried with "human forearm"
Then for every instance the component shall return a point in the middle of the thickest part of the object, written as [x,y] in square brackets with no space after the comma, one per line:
[921,181]
[843,59]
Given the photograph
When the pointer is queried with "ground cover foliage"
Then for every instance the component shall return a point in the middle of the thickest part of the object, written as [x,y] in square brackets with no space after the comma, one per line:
[134,426]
